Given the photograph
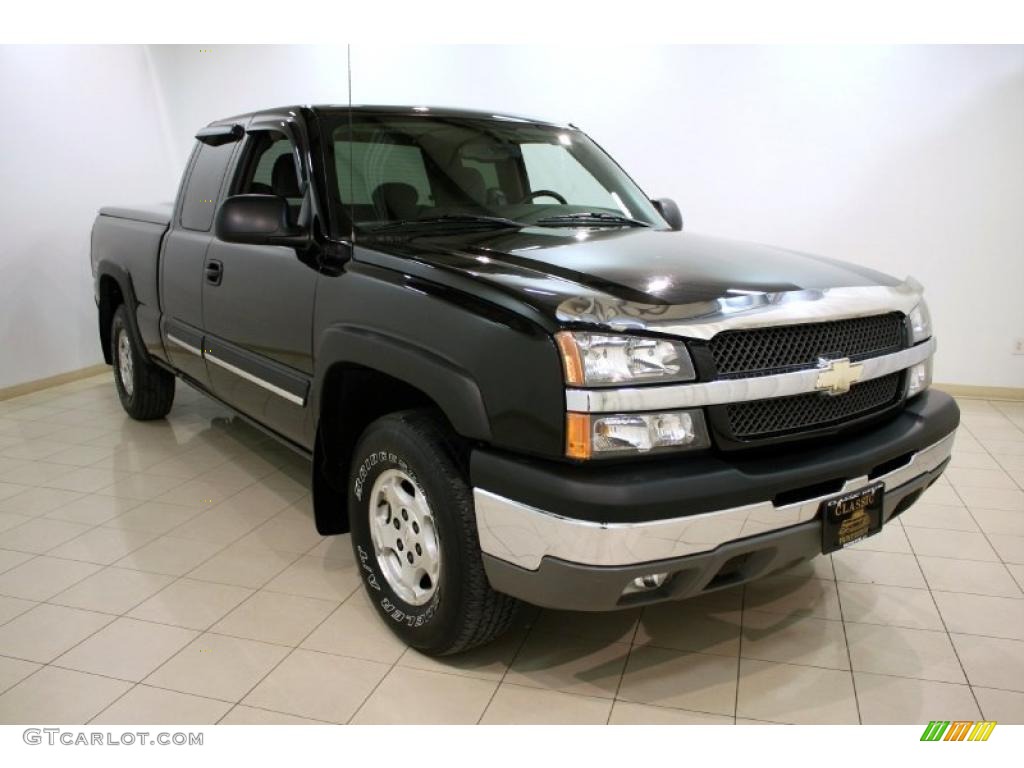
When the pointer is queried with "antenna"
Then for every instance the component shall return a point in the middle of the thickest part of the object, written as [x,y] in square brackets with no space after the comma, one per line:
[351,152]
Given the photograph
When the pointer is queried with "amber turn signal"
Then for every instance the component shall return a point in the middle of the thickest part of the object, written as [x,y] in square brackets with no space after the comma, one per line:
[571,361]
[577,435]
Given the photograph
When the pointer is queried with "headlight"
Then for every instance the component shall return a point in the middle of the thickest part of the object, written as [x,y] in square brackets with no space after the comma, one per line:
[597,435]
[920,323]
[598,360]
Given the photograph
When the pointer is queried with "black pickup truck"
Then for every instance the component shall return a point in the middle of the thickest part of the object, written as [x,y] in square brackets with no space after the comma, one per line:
[515,377]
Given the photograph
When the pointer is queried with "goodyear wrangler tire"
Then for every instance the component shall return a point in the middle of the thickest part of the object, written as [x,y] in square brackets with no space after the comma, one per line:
[146,392]
[415,540]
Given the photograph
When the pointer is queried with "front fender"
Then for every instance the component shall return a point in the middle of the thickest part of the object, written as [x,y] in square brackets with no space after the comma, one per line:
[443,381]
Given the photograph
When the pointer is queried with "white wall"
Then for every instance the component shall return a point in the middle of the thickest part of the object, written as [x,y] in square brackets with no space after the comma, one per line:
[80,130]
[910,160]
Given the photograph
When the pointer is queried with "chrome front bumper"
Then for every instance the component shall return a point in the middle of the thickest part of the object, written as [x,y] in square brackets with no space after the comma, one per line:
[523,536]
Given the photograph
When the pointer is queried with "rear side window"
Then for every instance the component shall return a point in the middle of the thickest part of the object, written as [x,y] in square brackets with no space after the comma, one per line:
[204,186]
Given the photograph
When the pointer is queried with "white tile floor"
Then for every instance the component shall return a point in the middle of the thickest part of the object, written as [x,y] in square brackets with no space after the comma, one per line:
[169,572]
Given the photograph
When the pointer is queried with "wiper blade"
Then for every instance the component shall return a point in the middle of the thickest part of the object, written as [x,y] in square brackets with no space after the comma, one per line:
[591,218]
[454,219]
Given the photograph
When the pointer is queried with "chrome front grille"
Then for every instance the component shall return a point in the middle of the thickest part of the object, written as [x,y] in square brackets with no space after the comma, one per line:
[783,348]
[752,353]
[785,415]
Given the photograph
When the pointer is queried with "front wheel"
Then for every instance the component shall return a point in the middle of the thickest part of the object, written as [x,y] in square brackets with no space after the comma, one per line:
[415,539]
[146,391]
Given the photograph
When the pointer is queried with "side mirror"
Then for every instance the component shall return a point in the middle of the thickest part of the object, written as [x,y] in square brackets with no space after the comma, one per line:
[669,212]
[258,220]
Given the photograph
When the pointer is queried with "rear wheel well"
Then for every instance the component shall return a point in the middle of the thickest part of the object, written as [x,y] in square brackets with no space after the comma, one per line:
[111,298]
[353,397]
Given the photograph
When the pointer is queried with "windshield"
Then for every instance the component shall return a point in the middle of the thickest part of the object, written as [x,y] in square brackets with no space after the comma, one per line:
[397,171]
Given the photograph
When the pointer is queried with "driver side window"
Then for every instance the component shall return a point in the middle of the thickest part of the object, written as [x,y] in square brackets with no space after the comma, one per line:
[270,168]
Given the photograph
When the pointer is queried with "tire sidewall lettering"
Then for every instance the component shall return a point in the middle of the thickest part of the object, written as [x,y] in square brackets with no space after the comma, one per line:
[372,461]
[369,575]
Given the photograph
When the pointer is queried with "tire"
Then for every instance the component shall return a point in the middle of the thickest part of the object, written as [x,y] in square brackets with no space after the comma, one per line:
[410,458]
[146,391]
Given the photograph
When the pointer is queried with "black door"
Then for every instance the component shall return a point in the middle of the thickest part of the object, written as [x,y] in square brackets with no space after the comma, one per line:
[258,300]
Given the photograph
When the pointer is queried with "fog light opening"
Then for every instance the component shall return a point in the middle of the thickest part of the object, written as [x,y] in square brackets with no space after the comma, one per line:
[646,583]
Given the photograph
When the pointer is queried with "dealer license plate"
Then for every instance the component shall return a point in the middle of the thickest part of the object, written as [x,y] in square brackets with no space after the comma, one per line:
[850,518]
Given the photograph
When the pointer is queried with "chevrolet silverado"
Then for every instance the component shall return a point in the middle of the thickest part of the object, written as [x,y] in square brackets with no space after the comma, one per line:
[515,376]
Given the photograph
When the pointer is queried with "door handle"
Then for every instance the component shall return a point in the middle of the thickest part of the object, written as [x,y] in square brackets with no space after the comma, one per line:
[214,272]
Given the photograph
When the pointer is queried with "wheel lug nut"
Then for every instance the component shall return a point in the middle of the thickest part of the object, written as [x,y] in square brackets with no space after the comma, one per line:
[397,524]
[415,527]
[419,550]
[409,555]
[401,546]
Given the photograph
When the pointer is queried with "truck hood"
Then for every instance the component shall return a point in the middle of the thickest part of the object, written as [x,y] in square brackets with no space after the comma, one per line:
[545,267]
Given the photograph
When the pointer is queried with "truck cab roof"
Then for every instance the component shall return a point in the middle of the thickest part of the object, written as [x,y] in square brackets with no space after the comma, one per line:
[396,109]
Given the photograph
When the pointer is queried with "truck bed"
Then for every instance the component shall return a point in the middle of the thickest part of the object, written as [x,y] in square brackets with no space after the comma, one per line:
[130,239]
[158,213]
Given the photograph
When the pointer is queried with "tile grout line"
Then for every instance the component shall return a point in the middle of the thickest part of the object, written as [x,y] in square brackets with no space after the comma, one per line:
[46,665]
[200,633]
[210,632]
[846,642]
[504,673]
[384,677]
[208,629]
[985,533]
[132,687]
[739,650]
[942,618]
[625,665]
[286,656]
[236,705]
[124,615]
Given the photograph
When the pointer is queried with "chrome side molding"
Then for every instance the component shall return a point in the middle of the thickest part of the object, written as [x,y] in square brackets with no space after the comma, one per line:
[184,345]
[292,398]
[702,320]
[666,397]
[524,535]
[256,380]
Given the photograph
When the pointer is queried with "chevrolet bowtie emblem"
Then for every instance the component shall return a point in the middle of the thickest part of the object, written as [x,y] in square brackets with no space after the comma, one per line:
[837,375]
